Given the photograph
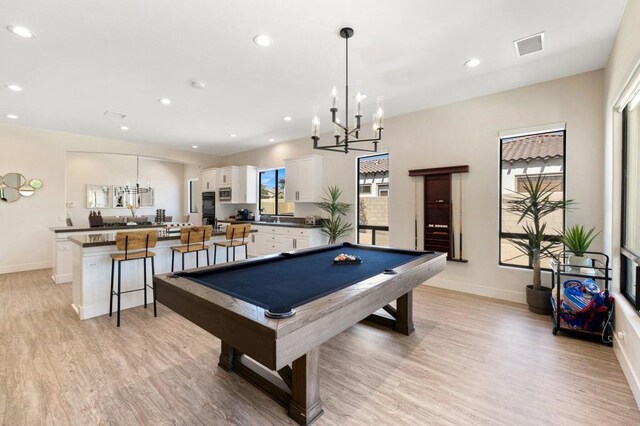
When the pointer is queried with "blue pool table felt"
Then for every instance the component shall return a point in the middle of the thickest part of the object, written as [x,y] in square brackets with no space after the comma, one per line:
[283,283]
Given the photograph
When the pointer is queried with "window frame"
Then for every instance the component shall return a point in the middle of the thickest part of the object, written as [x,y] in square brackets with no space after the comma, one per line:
[502,235]
[625,253]
[277,179]
[190,190]
[373,228]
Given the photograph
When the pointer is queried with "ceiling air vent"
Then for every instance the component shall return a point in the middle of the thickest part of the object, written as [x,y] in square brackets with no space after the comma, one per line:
[529,44]
[113,114]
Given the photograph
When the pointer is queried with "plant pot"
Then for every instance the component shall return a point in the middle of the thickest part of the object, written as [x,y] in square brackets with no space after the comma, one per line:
[539,301]
[578,262]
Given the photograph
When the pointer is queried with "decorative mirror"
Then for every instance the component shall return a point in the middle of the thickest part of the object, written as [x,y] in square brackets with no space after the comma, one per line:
[14,180]
[122,199]
[26,191]
[98,197]
[9,195]
[14,185]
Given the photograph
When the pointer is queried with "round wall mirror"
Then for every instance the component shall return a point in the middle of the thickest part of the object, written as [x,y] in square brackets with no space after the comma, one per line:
[26,191]
[9,195]
[36,183]
[14,180]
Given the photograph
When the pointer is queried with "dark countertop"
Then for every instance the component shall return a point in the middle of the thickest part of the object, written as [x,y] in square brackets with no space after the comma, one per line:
[66,229]
[101,240]
[260,223]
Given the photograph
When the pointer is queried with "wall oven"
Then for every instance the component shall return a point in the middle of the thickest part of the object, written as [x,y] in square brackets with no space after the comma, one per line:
[224,194]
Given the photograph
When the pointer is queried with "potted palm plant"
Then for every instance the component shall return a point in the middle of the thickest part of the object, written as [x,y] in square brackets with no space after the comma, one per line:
[577,240]
[335,226]
[532,206]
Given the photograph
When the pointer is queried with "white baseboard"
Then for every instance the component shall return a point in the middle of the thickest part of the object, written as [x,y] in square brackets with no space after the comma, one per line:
[627,369]
[62,278]
[496,293]
[9,269]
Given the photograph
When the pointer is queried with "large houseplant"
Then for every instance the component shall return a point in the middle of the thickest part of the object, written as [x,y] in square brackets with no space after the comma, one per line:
[577,240]
[532,206]
[335,226]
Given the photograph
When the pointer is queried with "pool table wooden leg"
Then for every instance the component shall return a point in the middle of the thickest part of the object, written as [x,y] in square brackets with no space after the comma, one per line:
[305,404]
[404,318]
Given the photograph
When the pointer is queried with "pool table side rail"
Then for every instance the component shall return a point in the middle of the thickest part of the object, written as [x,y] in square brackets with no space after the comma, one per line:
[324,318]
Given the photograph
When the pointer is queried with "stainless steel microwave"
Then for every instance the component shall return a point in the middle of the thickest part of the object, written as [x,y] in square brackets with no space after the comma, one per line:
[224,194]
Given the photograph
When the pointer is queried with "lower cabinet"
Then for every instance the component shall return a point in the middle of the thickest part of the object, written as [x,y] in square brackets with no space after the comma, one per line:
[278,239]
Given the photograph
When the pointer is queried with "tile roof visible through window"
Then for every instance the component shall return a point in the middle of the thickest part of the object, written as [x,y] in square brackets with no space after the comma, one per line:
[543,146]
[380,165]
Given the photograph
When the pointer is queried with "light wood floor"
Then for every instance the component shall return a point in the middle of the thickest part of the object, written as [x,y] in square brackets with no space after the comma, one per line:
[471,361]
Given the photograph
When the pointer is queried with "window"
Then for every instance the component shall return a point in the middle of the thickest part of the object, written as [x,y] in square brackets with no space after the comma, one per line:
[272,184]
[193,196]
[530,156]
[630,238]
[373,204]
[365,189]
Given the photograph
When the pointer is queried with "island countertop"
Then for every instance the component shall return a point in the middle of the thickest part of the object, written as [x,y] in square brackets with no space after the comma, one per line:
[262,223]
[71,229]
[100,240]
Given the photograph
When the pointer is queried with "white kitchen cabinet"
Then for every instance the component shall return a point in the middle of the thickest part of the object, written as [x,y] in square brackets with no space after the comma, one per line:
[209,180]
[304,179]
[277,239]
[252,246]
[243,181]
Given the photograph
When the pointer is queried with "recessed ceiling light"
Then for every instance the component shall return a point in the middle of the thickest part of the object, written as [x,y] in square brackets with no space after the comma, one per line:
[287,118]
[165,101]
[232,135]
[124,128]
[21,31]
[14,87]
[472,63]
[262,40]
[12,116]
[194,146]
[272,140]
[197,84]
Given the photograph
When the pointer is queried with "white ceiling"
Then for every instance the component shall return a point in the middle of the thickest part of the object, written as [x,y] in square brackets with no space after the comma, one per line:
[123,55]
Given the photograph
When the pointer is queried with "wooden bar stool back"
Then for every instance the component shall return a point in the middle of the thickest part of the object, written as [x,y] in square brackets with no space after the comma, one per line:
[194,240]
[133,246]
[237,236]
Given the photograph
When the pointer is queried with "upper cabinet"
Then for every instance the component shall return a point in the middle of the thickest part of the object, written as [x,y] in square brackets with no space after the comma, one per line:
[209,180]
[243,182]
[303,179]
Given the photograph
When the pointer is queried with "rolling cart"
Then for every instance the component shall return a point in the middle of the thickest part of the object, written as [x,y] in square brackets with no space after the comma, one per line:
[600,273]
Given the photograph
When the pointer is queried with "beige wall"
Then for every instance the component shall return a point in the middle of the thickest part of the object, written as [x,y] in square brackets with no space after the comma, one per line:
[25,239]
[467,133]
[623,61]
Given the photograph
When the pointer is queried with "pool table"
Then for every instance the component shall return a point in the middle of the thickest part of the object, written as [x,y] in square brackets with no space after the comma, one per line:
[272,313]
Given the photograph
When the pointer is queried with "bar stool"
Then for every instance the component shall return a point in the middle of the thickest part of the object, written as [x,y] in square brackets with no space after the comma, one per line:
[195,238]
[140,242]
[236,236]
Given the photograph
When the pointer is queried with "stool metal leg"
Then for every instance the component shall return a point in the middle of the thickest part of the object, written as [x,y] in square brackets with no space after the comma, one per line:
[119,288]
[227,258]
[183,261]
[197,256]
[153,272]
[246,251]
[207,257]
[215,253]
[173,259]
[144,261]
[234,253]
[113,265]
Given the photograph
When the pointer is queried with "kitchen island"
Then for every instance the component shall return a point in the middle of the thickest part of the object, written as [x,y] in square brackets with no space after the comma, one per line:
[91,270]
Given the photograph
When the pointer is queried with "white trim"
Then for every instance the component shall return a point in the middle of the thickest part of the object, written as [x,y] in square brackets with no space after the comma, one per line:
[465,287]
[22,267]
[542,128]
[625,312]
[630,89]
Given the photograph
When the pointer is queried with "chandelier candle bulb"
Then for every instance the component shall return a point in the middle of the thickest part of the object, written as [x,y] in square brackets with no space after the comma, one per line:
[380,115]
[358,104]
[334,97]
[315,126]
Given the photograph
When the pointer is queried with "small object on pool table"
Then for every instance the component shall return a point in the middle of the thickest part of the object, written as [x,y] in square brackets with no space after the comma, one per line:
[389,271]
[347,259]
